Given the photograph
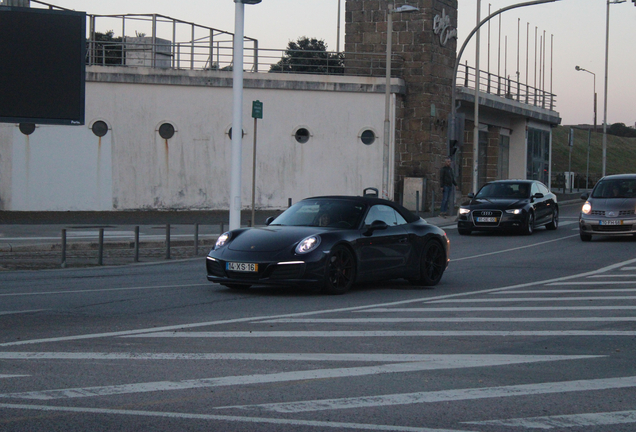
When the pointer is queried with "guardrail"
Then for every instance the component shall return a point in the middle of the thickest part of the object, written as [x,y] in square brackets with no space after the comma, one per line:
[506,88]
[135,245]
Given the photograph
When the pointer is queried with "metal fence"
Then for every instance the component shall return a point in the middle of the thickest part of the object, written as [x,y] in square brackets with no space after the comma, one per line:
[153,40]
[159,41]
[505,87]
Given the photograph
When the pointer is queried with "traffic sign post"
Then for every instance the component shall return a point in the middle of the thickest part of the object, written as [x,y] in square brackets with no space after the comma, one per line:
[257,113]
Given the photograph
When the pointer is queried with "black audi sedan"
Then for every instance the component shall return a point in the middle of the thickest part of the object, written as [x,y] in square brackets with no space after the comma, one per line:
[332,242]
[520,205]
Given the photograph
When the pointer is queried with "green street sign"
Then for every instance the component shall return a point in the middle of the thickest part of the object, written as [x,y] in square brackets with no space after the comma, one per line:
[257,109]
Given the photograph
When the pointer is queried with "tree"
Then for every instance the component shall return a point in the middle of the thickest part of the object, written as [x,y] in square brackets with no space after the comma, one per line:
[309,56]
[619,129]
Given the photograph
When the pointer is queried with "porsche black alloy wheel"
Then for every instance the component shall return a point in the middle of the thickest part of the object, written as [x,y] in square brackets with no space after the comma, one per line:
[433,264]
[341,271]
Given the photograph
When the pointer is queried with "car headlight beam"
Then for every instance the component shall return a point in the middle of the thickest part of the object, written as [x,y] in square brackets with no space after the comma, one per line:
[222,240]
[463,211]
[514,211]
[587,208]
[308,244]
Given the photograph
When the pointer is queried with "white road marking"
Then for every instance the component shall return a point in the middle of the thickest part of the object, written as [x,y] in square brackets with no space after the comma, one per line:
[11,376]
[315,374]
[565,291]
[593,283]
[437,319]
[389,333]
[189,416]
[93,235]
[499,309]
[21,312]
[628,268]
[612,276]
[457,360]
[103,290]
[565,421]
[318,312]
[445,395]
[533,299]
[512,249]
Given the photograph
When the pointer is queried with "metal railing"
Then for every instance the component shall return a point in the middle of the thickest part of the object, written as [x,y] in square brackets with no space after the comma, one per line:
[153,40]
[506,88]
[142,52]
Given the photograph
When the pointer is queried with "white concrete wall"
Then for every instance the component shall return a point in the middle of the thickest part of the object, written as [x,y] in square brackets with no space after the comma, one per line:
[132,167]
[518,149]
[56,168]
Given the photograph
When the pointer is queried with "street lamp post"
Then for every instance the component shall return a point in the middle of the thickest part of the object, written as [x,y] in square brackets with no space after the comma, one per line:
[587,173]
[237,113]
[605,91]
[387,95]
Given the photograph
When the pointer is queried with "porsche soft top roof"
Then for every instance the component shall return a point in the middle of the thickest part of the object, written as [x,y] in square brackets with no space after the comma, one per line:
[369,201]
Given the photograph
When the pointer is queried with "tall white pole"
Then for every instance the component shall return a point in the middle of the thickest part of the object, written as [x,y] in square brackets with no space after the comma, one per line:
[476,127]
[605,91]
[237,117]
[338,31]
[387,104]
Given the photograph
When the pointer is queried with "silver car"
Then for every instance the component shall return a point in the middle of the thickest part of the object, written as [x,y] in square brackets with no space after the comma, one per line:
[610,209]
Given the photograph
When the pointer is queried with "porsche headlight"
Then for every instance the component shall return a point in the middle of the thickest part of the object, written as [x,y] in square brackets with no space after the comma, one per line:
[308,244]
[463,211]
[222,240]
[587,208]
[514,211]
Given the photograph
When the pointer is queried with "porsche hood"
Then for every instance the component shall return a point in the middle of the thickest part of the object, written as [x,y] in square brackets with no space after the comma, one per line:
[271,238]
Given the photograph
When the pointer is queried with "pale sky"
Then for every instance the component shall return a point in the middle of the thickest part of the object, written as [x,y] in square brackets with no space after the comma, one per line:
[576,27]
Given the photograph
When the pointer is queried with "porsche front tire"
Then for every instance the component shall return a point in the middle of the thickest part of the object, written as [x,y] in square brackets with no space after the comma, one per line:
[340,271]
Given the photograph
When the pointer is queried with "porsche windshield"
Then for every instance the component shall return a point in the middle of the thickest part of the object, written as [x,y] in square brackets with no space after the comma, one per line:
[508,190]
[623,188]
[323,213]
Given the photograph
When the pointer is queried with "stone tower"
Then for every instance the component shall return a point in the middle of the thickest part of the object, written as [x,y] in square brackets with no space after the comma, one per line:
[424,52]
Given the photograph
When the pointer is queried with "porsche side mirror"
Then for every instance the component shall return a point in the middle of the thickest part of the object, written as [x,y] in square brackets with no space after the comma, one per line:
[538,195]
[585,196]
[375,225]
[269,220]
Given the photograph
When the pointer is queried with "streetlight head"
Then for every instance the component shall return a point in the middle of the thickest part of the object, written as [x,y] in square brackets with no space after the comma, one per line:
[406,8]
[578,68]
[250,2]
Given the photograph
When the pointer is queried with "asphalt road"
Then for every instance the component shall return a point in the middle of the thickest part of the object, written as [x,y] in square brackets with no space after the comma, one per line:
[523,333]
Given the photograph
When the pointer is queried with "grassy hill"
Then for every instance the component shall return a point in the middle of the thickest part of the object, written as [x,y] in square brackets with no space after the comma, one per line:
[621,154]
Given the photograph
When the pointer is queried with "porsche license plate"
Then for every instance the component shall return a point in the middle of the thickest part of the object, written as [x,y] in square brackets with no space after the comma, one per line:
[242,267]
[611,222]
[487,219]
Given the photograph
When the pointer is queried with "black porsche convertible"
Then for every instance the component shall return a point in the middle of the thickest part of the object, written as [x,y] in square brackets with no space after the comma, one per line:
[332,242]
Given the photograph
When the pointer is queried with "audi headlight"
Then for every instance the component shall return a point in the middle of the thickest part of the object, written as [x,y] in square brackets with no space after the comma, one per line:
[514,211]
[308,244]
[587,208]
[222,240]
[463,211]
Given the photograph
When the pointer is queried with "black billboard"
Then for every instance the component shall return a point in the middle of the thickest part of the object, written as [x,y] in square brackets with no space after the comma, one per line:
[42,66]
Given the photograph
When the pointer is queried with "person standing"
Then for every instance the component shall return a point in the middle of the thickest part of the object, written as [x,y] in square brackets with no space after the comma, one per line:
[447,183]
